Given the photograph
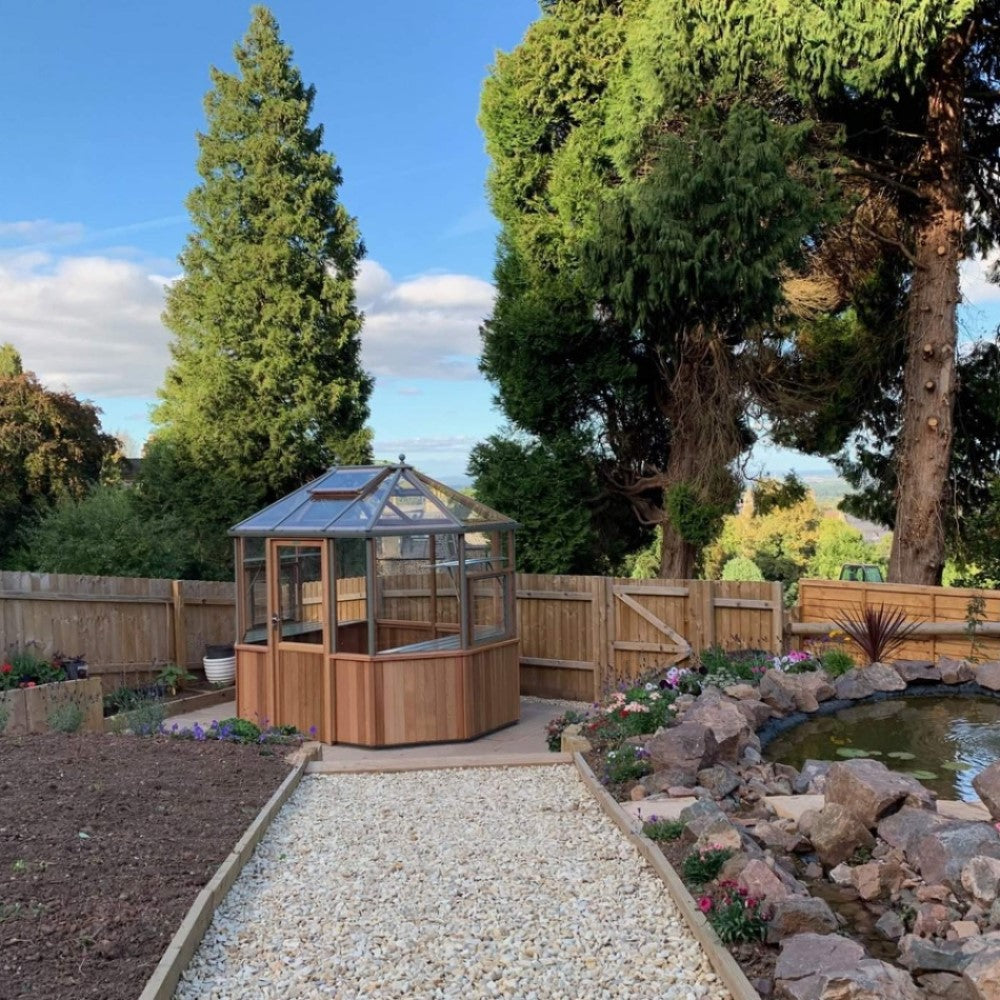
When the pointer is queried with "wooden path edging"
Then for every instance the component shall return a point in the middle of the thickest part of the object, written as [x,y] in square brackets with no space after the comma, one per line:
[167,974]
[438,763]
[725,965]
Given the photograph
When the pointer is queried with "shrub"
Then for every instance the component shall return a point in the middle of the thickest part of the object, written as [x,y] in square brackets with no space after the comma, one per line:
[66,718]
[173,677]
[636,711]
[877,632]
[627,763]
[145,719]
[703,865]
[795,662]
[662,829]
[236,730]
[121,700]
[741,568]
[836,661]
[239,730]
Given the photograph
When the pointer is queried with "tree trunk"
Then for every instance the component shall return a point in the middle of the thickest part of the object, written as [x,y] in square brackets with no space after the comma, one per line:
[923,453]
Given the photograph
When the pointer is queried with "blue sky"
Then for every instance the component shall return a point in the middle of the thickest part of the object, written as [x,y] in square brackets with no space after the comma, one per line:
[101,105]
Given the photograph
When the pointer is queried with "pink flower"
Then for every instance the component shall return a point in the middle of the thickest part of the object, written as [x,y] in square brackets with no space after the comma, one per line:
[705,904]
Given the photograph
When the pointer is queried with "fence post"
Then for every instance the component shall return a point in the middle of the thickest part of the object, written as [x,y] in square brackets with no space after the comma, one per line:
[180,636]
[777,618]
[708,614]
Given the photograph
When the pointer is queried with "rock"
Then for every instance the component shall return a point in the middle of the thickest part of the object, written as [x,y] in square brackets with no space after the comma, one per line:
[867,980]
[963,810]
[761,882]
[729,726]
[922,955]
[904,828]
[866,879]
[982,974]
[807,954]
[755,712]
[802,692]
[932,920]
[680,752]
[871,791]
[955,671]
[963,929]
[572,740]
[987,674]
[812,777]
[890,926]
[680,792]
[800,915]
[842,874]
[863,681]
[793,806]
[934,893]
[942,853]
[637,793]
[945,986]
[916,671]
[836,833]
[981,878]
[719,780]
[987,786]
[741,692]
[774,836]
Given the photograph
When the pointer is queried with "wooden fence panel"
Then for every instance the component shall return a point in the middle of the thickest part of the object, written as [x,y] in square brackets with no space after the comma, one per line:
[821,601]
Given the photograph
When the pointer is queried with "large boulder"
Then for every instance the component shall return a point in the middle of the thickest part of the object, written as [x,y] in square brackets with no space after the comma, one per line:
[917,671]
[925,955]
[988,674]
[982,974]
[755,712]
[981,879]
[805,955]
[871,791]
[800,915]
[730,728]
[864,681]
[836,833]
[803,692]
[719,780]
[761,882]
[987,786]
[868,980]
[812,777]
[955,671]
[680,752]
[942,853]
[904,828]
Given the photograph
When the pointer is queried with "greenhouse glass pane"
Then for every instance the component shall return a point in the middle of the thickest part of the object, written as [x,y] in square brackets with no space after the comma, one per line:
[346,479]
[316,513]
[270,517]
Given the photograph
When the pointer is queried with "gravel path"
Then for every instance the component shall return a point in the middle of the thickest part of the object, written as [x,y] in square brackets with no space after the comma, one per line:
[440,884]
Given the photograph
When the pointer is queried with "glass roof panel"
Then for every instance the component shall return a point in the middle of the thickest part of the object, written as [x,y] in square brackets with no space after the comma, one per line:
[270,517]
[410,505]
[361,514]
[353,479]
[316,512]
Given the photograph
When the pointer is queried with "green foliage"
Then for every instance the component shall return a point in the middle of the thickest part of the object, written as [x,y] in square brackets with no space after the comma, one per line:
[240,730]
[703,865]
[66,717]
[663,829]
[695,520]
[737,918]
[838,543]
[265,388]
[741,568]
[570,523]
[836,661]
[877,631]
[121,700]
[975,616]
[626,763]
[774,494]
[173,677]
[51,448]
[145,719]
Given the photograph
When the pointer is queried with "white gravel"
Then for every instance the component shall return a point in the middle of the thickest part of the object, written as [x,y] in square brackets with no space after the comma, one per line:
[498,882]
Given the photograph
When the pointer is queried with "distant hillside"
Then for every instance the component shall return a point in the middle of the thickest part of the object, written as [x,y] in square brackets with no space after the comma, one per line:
[828,490]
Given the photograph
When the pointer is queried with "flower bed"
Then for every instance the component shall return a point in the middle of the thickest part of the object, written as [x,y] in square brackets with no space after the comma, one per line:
[915,891]
[67,706]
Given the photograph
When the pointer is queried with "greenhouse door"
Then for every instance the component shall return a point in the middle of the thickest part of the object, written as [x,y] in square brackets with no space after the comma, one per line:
[298,636]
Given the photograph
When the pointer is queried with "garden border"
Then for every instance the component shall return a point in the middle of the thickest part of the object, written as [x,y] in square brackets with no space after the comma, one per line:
[206,699]
[162,984]
[722,961]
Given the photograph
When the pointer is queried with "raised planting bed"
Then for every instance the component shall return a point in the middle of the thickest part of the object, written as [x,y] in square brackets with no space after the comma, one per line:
[105,842]
[36,708]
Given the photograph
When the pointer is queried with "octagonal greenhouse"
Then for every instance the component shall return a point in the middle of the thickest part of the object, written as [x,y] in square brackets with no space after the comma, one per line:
[376,606]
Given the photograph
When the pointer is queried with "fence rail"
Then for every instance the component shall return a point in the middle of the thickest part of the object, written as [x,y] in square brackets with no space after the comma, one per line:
[580,635]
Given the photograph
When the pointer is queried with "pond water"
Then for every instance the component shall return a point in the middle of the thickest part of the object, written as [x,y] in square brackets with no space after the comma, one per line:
[943,741]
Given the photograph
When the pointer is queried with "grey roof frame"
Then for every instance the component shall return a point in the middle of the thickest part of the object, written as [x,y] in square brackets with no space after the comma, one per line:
[357,512]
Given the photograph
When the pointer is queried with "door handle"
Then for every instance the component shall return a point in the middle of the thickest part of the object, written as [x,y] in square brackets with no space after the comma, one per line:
[275,621]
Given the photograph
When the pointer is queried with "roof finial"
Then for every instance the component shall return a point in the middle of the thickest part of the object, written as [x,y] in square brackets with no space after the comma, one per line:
[402,458]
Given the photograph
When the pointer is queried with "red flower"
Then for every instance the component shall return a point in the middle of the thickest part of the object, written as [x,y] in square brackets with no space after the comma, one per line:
[5,668]
[30,684]
[705,904]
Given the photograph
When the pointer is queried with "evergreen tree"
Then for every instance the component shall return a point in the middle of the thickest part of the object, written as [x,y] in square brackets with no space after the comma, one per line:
[265,388]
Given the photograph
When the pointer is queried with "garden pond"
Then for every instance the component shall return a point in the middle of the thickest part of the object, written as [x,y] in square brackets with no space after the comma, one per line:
[944,741]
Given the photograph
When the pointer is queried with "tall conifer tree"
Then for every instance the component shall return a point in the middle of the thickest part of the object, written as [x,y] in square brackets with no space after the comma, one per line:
[266,385]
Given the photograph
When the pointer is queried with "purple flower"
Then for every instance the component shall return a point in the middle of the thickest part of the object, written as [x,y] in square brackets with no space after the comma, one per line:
[312,730]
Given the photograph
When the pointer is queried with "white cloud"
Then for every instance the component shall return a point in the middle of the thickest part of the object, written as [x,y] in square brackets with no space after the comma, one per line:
[423,327]
[977,290]
[92,323]
[33,231]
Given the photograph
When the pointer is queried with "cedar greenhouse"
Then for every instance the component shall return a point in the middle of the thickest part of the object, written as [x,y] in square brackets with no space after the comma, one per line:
[377,605]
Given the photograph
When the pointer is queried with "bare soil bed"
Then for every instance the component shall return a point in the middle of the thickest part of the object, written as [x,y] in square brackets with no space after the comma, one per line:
[104,843]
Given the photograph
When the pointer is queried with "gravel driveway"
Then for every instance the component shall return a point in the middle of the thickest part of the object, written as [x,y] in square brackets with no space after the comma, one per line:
[463,883]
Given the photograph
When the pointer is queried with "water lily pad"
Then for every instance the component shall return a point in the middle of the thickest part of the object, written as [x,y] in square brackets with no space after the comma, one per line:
[902,755]
[852,752]
[957,765]
[921,775]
